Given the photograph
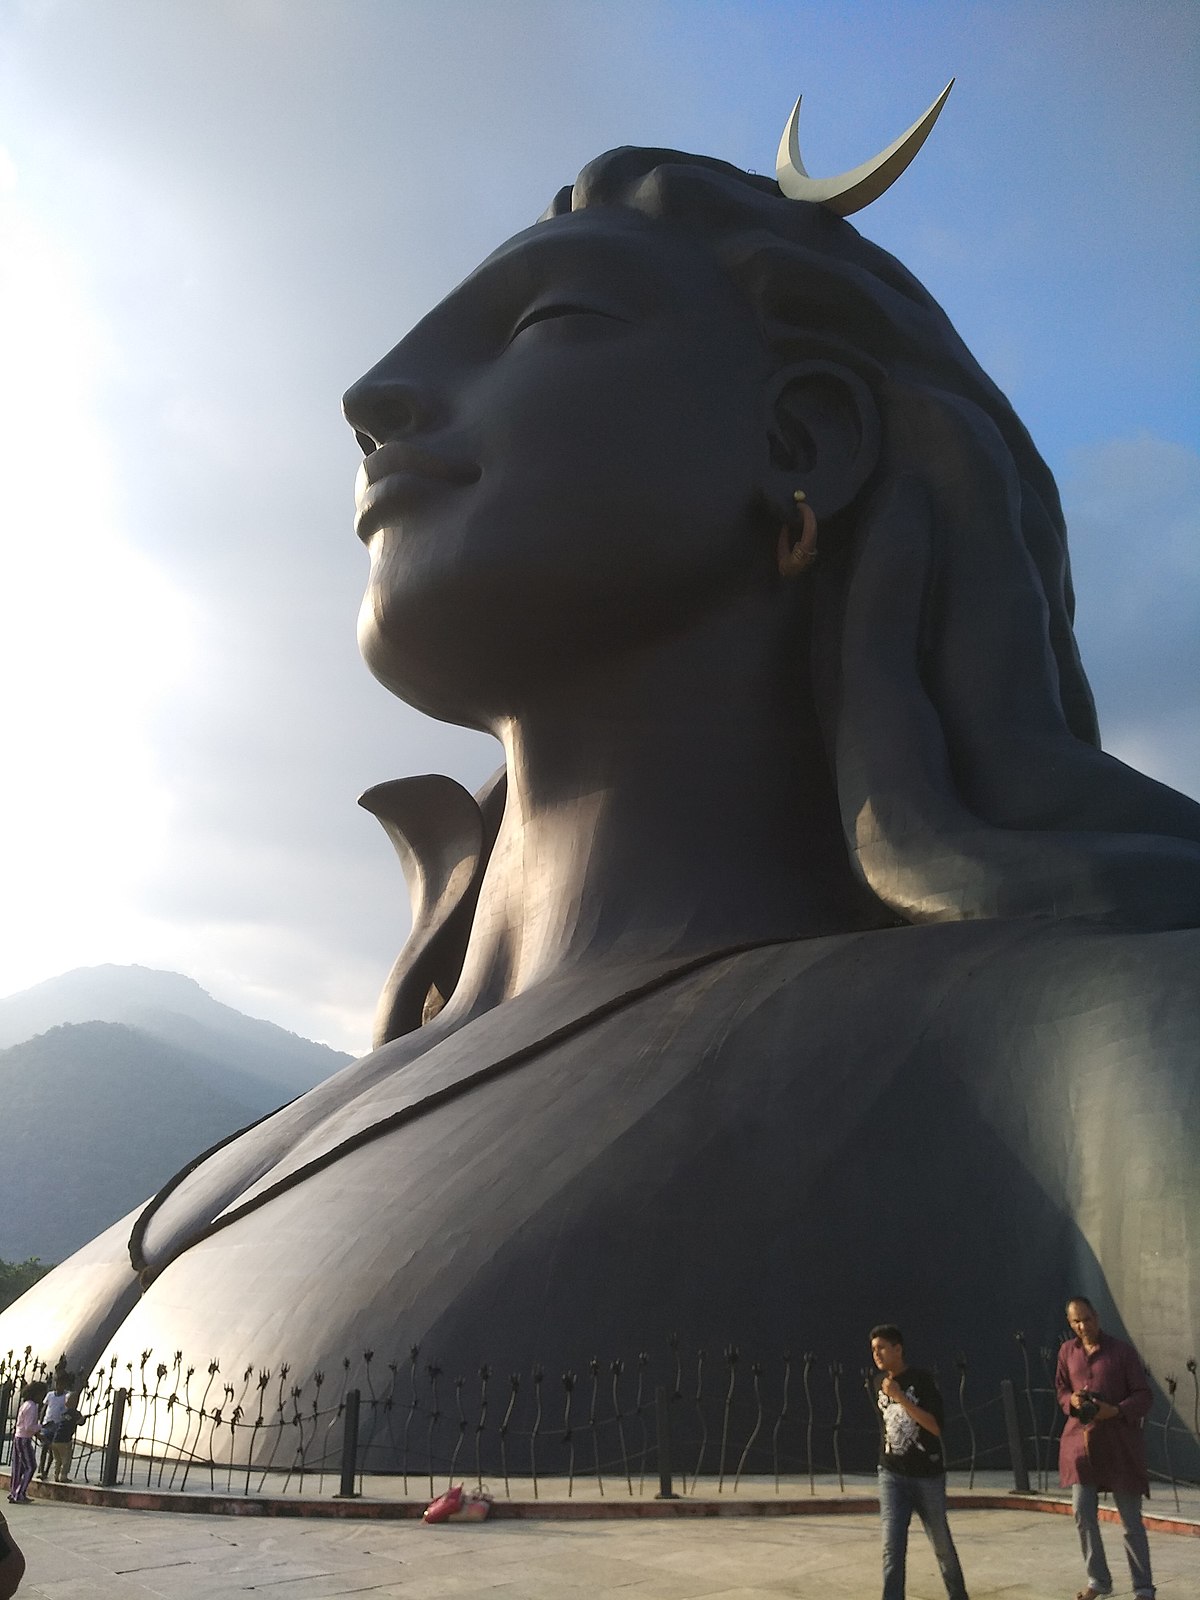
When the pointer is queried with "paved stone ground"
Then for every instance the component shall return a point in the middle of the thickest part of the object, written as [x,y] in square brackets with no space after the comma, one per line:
[77,1552]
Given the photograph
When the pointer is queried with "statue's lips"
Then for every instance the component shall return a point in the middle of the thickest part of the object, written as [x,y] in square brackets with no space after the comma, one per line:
[391,473]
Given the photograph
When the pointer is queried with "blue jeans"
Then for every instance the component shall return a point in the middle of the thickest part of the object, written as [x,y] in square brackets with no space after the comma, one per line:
[899,1497]
[1085,1501]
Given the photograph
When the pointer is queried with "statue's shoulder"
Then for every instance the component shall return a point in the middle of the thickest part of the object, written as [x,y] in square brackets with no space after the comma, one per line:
[1039,952]
[990,988]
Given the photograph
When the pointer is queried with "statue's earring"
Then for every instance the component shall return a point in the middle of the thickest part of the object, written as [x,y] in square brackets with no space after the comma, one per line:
[797,547]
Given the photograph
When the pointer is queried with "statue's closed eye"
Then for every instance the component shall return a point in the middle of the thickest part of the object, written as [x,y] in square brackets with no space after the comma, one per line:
[557,311]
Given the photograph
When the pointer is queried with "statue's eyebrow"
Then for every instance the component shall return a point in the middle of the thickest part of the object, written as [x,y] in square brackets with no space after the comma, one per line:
[506,282]
[487,303]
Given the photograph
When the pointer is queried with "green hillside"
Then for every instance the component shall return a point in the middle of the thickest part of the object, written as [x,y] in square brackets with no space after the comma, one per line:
[96,1117]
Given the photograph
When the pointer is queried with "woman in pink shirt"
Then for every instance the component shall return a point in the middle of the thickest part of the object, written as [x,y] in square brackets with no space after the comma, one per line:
[24,1453]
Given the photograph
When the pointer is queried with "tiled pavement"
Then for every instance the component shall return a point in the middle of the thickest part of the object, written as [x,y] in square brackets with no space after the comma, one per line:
[80,1552]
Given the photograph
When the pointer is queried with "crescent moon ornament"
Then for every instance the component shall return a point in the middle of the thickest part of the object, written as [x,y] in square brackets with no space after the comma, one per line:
[852,190]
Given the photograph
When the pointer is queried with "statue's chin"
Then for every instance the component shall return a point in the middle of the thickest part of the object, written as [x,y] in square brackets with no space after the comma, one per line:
[433,669]
[470,653]
[477,642]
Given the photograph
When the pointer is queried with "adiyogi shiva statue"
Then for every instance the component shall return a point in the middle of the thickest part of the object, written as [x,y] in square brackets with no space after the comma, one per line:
[809,956]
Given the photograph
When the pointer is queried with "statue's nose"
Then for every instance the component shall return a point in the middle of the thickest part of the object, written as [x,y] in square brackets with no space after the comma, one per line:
[380,407]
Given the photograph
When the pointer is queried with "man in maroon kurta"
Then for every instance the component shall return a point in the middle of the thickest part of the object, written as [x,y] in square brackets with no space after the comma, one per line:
[1102,1387]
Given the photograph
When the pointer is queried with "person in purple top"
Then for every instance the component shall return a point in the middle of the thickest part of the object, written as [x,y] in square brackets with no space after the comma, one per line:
[1103,1389]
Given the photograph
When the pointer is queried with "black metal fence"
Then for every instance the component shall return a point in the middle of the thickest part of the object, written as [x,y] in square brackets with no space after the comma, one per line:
[673,1422]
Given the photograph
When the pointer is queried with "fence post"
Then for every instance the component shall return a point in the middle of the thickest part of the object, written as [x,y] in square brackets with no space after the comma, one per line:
[1016,1451]
[349,1447]
[110,1461]
[662,1423]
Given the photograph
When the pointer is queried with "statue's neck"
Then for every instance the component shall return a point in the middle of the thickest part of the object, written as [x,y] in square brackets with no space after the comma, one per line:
[665,804]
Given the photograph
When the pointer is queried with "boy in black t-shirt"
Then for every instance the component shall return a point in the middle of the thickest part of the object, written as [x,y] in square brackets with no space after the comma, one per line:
[912,1470]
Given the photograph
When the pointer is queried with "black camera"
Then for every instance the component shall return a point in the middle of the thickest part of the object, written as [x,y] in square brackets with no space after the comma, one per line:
[1088,1408]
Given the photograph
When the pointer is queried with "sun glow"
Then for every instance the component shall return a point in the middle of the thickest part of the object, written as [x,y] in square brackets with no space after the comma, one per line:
[92,636]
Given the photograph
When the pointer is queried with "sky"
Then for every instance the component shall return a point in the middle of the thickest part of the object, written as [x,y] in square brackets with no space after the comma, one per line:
[215,214]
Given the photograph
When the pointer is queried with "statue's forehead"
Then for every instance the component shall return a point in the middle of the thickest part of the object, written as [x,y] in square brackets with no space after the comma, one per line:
[618,223]
[608,238]
[608,255]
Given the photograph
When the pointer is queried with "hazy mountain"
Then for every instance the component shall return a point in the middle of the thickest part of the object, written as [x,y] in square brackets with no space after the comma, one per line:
[115,1077]
[176,1009]
[96,1117]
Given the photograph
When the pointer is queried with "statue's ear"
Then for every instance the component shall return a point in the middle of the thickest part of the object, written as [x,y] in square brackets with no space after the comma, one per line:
[824,433]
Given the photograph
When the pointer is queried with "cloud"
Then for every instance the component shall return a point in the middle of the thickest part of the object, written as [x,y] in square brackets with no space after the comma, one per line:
[1133,510]
[84,808]
[241,206]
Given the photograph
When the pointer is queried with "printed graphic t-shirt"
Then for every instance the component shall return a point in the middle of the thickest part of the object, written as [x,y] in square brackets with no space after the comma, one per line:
[904,1446]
